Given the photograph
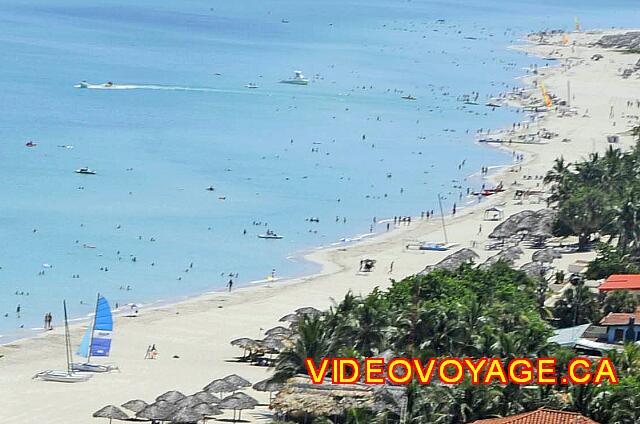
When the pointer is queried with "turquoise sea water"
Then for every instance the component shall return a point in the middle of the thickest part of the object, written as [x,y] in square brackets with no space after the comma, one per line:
[180,119]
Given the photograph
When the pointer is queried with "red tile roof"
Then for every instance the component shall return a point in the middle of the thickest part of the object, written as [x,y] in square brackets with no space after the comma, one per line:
[621,282]
[620,318]
[541,416]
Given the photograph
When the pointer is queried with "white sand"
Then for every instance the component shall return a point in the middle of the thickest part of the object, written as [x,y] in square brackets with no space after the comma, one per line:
[199,330]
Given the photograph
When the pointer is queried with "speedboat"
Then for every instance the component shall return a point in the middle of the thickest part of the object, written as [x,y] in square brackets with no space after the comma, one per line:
[409,97]
[270,235]
[83,84]
[298,79]
[107,84]
[85,170]
[251,85]
[31,144]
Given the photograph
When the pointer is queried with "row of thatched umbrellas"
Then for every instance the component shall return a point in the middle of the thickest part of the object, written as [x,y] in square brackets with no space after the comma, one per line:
[176,407]
[277,338]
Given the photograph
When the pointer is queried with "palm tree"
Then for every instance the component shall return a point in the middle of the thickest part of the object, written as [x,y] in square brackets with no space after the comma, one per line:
[314,341]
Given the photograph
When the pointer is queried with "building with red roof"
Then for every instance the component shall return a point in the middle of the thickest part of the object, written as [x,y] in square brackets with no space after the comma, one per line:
[621,282]
[618,325]
[541,416]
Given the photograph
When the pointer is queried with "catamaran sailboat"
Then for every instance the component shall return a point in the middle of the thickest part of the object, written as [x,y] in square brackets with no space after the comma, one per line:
[67,376]
[298,79]
[97,339]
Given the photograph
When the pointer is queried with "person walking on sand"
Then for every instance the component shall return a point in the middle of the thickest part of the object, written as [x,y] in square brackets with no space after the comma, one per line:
[230,284]
[391,267]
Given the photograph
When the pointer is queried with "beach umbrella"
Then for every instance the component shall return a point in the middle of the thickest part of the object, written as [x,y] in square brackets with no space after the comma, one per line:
[159,411]
[185,415]
[534,270]
[246,344]
[238,402]
[219,386]
[112,412]
[272,343]
[546,255]
[172,396]
[207,397]
[206,409]
[453,261]
[188,402]
[237,381]
[279,330]
[509,255]
[308,310]
[292,318]
[268,385]
[135,405]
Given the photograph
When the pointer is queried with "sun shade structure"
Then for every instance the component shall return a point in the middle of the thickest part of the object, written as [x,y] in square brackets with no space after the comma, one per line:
[538,224]
[290,318]
[237,381]
[238,402]
[508,255]
[112,412]
[219,386]
[185,416]
[159,411]
[268,385]
[453,261]
[135,405]
[206,409]
[534,270]
[207,397]
[546,255]
[308,310]
[300,398]
[171,396]
[277,331]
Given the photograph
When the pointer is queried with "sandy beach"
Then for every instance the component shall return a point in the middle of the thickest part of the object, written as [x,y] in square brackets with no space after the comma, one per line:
[193,336]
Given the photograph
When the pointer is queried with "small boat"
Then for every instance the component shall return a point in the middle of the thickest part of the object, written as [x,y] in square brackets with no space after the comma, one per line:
[83,84]
[251,85]
[270,235]
[285,21]
[30,144]
[68,376]
[298,79]
[85,170]
[97,339]
[210,188]
[409,97]
[493,104]
[107,84]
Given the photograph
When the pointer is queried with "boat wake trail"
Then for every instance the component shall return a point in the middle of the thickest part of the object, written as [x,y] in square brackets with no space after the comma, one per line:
[153,87]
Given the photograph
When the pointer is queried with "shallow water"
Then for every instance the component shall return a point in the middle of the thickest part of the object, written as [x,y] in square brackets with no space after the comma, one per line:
[180,119]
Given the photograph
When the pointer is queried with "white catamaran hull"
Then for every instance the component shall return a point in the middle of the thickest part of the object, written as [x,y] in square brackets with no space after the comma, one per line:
[62,376]
[86,367]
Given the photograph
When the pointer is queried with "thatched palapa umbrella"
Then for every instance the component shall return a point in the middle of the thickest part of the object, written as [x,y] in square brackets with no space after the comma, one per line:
[509,255]
[159,411]
[279,330]
[238,402]
[188,402]
[546,255]
[112,412]
[219,386]
[171,396]
[308,310]
[268,385]
[237,381]
[246,344]
[207,397]
[185,416]
[135,405]
[453,261]
[534,270]
[292,318]
[206,409]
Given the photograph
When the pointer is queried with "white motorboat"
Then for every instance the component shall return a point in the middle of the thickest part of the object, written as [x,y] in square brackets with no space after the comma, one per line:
[298,79]
[251,85]
[85,170]
[270,235]
[83,84]
[409,97]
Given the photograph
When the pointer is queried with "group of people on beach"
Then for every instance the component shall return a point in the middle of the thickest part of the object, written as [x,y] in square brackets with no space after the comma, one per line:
[48,319]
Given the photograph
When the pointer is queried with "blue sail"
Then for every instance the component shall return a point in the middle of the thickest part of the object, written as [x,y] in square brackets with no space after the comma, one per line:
[103,326]
[83,349]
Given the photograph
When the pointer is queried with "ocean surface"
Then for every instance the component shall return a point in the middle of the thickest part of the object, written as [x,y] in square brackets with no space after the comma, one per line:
[179,118]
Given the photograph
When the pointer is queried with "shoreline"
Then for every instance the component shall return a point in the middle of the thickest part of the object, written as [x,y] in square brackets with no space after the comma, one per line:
[199,329]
